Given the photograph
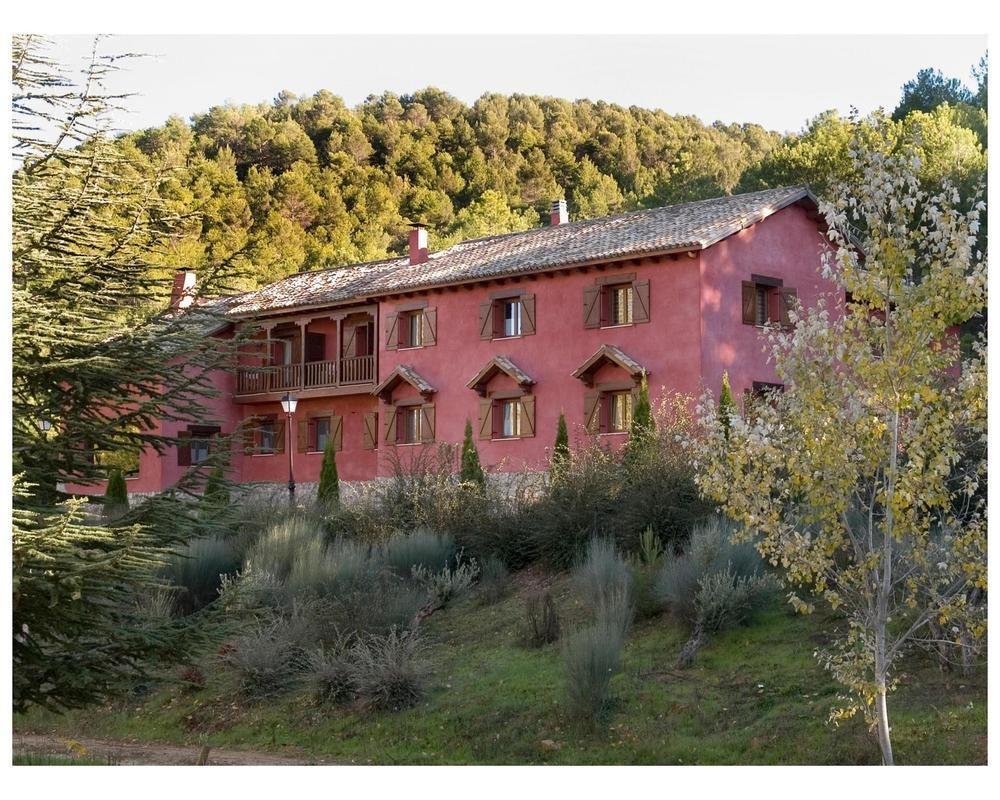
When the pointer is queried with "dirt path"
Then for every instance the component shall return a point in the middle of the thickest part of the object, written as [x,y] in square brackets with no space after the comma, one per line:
[151,753]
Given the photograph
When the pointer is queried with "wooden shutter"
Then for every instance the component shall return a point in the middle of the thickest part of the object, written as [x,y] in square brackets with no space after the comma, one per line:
[337,432]
[183,449]
[486,319]
[527,314]
[349,348]
[749,303]
[527,415]
[485,419]
[592,307]
[369,432]
[391,331]
[640,301]
[303,434]
[279,435]
[390,425]
[315,347]
[592,411]
[786,303]
[430,323]
[427,423]
[250,435]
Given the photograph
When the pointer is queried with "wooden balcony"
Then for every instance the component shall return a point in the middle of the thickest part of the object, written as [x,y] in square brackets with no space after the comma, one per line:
[313,378]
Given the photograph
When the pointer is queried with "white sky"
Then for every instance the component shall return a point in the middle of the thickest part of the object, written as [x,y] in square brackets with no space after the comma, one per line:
[777,81]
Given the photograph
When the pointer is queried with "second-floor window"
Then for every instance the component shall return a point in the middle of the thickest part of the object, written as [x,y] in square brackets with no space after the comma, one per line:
[619,304]
[618,300]
[507,317]
[767,301]
[411,329]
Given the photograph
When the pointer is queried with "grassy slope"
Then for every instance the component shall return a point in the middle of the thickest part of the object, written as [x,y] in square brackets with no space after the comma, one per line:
[755,695]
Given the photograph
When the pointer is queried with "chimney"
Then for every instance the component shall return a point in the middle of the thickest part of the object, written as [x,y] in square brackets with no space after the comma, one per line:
[418,244]
[559,215]
[183,292]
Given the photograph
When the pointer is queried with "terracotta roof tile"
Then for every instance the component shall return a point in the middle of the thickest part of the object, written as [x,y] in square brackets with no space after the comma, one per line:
[687,226]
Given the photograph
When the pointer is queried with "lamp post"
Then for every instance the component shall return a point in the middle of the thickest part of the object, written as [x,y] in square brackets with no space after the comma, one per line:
[288,404]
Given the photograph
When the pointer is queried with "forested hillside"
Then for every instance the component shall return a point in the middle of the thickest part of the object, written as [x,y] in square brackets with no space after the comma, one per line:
[306,183]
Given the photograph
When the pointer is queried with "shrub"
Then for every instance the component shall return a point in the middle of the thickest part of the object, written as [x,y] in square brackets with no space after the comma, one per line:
[192,678]
[471,471]
[197,570]
[291,539]
[330,674]
[542,618]
[602,572]
[389,671]
[592,656]
[378,605]
[115,495]
[726,600]
[645,600]
[494,580]
[324,570]
[449,583]
[422,548]
[263,660]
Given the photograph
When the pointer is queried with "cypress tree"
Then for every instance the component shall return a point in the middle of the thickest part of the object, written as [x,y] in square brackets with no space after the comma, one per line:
[328,491]
[727,406]
[560,451]
[471,470]
[642,415]
[116,494]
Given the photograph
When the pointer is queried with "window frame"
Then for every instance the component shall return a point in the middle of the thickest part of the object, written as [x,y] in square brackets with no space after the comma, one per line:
[500,407]
[411,329]
[500,316]
[267,424]
[615,294]
[404,416]
[328,422]
[613,398]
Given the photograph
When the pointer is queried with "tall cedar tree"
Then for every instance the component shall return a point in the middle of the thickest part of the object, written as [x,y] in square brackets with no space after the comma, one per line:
[727,406]
[865,477]
[471,471]
[560,450]
[642,426]
[87,221]
[328,491]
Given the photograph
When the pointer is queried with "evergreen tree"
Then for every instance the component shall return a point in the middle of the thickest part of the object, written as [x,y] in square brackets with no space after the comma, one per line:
[471,471]
[328,491]
[929,90]
[560,451]
[727,406]
[642,426]
[216,493]
[115,494]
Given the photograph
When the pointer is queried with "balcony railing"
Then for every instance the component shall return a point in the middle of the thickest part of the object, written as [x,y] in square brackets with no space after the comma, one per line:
[311,375]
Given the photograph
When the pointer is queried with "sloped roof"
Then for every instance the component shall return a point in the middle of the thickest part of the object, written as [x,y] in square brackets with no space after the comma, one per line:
[688,226]
[609,354]
[403,373]
[499,364]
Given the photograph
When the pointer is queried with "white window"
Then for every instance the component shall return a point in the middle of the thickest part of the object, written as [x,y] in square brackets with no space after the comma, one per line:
[510,418]
[322,432]
[511,317]
[409,432]
[414,329]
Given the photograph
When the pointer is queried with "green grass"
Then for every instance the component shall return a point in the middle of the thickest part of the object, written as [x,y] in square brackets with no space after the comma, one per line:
[755,695]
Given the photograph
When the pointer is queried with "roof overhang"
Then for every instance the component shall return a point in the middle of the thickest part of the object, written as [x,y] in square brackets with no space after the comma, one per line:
[609,354]
[495,366]
[402,373]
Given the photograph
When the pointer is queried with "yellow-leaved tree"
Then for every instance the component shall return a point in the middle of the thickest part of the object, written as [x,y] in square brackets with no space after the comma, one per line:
[865,479]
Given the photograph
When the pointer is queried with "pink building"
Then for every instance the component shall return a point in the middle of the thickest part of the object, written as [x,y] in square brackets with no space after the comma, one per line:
[506,332]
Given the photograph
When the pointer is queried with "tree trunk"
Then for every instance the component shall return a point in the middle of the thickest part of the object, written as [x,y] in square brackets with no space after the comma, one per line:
[884,742]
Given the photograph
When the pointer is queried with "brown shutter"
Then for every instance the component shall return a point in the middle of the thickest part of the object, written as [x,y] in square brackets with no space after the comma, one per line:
[427,425]
[786,303]
[390,424]
[749,303]
[591,412]
[369,433]
[640,301]
[351,342]
[430,323]
[337,432]
[527,415]
[303,435]
[604,414]
[485,419]
[315,347]
[391,332]
[403,325]
[486,319]
[183,449]
[279,435]
[249,435]
[592,307]
[527,314]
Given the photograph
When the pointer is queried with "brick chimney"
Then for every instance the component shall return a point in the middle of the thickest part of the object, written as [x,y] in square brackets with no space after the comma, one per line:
[183,292]
[418,244]
[559,215]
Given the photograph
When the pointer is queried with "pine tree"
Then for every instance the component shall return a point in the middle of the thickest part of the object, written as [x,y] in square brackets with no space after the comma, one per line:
[727,406]
[328,491]
[471,470]
[642,426]
[115,494]
[560,451]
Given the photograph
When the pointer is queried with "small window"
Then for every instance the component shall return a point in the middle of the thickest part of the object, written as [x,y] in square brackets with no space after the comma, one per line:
[411,330]
[619,411]
[408,425]
[763,305]
[619,304]
[510,419]
[268,436]
[322,432]
[509,316]
[199,451]
[766,301]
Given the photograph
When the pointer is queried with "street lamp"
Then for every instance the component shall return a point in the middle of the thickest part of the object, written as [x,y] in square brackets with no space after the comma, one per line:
[288,404]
